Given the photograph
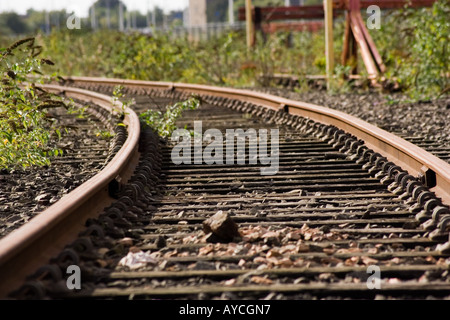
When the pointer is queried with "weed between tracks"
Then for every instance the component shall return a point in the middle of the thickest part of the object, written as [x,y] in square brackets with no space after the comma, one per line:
[163,121]
[27,128]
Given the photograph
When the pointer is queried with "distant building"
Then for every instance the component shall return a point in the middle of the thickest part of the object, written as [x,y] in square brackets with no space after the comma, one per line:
[202,12]
[175,17]
[196,13]
[186,17]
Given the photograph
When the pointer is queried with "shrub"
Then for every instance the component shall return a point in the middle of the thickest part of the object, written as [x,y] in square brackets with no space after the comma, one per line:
[164,121]
[26,127]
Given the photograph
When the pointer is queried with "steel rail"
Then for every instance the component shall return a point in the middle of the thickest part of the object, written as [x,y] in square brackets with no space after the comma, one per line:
[410,157]
[38,240]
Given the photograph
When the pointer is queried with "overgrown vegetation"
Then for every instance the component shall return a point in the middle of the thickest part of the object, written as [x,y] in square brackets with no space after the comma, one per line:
[118,95]
[164,121]
[223,60]
[415,47]
[413,43]
[26,127]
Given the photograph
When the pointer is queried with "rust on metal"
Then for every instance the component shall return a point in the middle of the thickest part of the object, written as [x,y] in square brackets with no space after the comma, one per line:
[37,241]
[316,11]
[409,156]
[355,29]
[179,215]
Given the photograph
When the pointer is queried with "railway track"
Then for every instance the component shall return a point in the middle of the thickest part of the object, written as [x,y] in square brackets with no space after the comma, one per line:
[413,130]
[26,192]
[333,209]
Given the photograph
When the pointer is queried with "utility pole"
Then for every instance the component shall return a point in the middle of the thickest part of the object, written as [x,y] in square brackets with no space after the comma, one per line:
[230,12]
[121,25]
[128,20]
[134,20]
[58,22]
[249,24]
[154,17]
[55,16]
[93,24]
[147,16]
[164,21]
[47,22]
[108,20]
[329,52]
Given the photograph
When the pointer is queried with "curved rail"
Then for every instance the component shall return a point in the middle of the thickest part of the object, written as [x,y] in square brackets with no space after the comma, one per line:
[24,249]
[28,246]
[410,157]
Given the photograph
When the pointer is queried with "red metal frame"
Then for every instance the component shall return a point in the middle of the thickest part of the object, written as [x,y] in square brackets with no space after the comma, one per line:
[356,33]
[316,11]
[311,26]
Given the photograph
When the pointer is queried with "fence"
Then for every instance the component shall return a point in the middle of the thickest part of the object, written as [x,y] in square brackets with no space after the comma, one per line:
[198,33]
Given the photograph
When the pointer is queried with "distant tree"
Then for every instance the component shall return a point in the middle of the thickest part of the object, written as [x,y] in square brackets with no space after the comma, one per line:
[35,20]
[141,20]
[113,4]
[159,15]
[216,10]
[11,22]
[175,18]
[101,13]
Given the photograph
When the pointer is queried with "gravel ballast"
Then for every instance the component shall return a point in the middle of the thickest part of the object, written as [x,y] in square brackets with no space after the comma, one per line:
[424,123]
[26,192]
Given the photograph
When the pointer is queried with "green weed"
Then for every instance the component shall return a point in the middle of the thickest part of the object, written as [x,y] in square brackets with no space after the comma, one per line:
[27,127]
[164,122]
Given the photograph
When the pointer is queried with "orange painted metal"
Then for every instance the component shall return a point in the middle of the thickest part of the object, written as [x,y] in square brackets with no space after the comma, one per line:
[350,49]
[369,53]
[34,243]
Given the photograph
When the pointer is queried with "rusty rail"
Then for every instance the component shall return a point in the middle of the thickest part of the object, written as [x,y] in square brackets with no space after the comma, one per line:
[410,157]
[188,266]
[45,235]
[38,240]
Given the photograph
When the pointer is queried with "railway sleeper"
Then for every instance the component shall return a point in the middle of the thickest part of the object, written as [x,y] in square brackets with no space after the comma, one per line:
[110,230]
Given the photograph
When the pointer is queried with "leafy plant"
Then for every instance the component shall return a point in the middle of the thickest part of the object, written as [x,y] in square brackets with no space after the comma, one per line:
[339,83]
[164,122]
[103,134]
[413,44]
[222,60]
[430,65]
[417,56]
[26,126]
[118,95]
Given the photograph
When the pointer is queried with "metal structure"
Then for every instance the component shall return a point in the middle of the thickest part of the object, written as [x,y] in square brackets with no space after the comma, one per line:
[46,234]
[356,33]
[381,152]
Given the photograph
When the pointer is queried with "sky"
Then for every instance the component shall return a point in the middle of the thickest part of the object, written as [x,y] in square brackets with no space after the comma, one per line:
[80,7]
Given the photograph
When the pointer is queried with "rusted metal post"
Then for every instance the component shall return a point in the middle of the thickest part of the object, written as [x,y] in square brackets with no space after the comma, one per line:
[249,24]
[350,47]
[369,53]
[329,52]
